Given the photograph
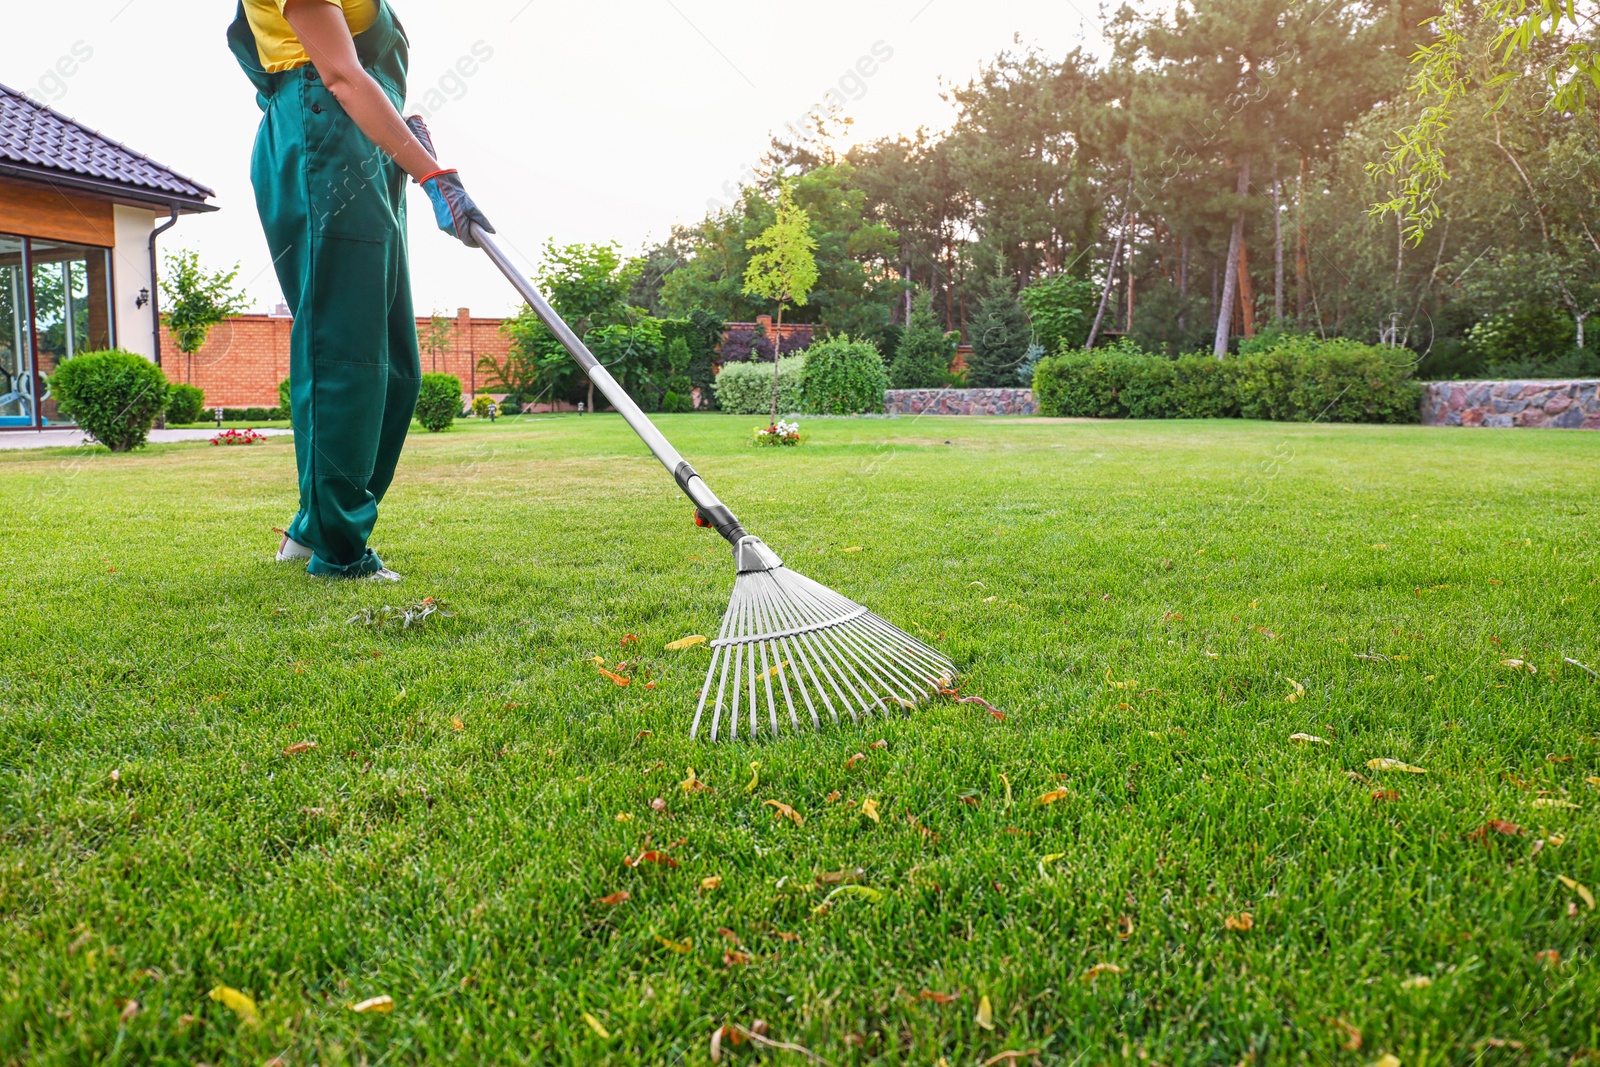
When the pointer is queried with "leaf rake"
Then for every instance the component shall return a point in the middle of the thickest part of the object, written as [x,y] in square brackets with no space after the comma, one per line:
[790,649]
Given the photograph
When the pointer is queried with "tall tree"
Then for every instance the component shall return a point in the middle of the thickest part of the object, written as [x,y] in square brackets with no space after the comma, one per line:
[922,360]
[999,337]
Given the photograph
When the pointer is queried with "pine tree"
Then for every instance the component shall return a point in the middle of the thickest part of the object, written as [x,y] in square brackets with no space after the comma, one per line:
[922,361]
[1000,337]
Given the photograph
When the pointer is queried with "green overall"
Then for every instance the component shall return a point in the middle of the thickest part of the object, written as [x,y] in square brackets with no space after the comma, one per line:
[333,208]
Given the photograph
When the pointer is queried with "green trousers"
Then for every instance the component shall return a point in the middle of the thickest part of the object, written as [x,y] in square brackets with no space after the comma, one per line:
[333,209]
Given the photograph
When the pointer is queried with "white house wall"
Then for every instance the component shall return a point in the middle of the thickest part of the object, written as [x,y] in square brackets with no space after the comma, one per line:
[130,273]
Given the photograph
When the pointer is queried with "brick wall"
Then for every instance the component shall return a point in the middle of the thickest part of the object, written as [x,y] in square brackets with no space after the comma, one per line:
[246,357]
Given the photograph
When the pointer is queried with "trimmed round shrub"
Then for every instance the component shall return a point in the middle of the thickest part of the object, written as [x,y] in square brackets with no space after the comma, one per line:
[746,388]
[843,377]
[185,403]
[115,396]
[509,406]
[438,401]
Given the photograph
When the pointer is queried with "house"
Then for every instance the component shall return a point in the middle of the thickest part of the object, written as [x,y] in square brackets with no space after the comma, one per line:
[78,227]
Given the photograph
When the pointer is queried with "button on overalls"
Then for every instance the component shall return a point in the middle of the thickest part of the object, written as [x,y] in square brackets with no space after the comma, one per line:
[333,208]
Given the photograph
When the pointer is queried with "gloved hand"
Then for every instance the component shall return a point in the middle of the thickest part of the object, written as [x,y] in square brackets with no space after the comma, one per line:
[453,209]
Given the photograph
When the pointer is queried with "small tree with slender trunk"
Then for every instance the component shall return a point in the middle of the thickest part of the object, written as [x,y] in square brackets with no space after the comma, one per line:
[783,269]
[197,300]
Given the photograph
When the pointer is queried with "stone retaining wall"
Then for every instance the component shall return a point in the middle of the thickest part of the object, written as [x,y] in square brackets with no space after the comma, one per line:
[959,402]
[1569,405]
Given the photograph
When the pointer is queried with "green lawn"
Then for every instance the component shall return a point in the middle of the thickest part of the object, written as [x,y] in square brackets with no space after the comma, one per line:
[1143,601]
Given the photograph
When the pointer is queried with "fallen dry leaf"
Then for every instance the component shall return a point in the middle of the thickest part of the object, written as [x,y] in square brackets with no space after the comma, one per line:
[594,1024]
[780,810]
[238,1003]
[616,679]
[652,856]
[1125,927]
[1011,1056]
[686,642]
[1352,1036]
[1386,1060]
[755,778]
[1051,797]
[1552,802]
[299,747]
[1385,794]
[1241,922]
[851,874]
[1309,739]
[622,896]
[682,948]
[457,724]
[692,784]
[1299,690]
[708,884]
[880,743]
[852,548]
[1129,684]
[383,1004]
[869,808]
[1417,981]
[1549,957]
[1519,665]
[985,1016]
[831,797]
[1382,764]
[1578,888]
[853,760]
[735,958]
[623,816]
[129,1010]
[1098,969]
[939,998]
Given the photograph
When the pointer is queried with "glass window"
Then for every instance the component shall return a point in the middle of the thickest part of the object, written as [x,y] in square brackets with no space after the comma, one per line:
[16,336]
[71,309]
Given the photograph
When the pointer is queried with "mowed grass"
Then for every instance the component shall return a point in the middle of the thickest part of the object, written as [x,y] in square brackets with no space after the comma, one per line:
[1155,608]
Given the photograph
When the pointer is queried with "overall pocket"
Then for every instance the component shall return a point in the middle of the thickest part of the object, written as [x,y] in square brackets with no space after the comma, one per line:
[350,182]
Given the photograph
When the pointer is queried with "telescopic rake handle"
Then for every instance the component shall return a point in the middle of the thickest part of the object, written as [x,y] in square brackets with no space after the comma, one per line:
[710,511]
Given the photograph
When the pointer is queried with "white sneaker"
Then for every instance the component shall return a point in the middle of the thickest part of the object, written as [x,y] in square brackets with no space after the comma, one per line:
[290,550]
[382,575]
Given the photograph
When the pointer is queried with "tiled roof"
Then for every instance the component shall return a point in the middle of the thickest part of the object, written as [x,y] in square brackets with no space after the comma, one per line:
[33,137]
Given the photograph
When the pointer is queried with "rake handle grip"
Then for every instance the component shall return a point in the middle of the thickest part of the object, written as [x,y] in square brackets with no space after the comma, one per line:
[712,510]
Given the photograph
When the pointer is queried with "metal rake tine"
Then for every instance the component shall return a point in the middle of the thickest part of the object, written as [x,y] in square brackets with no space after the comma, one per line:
[718,651]
[796,649]
[828,639]
[793,618]
[886,671]
[779,649]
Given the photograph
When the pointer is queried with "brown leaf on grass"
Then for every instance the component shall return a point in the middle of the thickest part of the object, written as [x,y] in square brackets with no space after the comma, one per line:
[456,724]
[629,639]
[735,958]
[939,998]
[623,816]
[1494,826]
[831,797]
[880,743]
[1553,758]
[728,934]
[787,937]
[1098,969]
[844,877]
[299,747]
[1385,794]
[780,810]
[661,859]
[692,784]
[129,1010]
[1549,957]
[1011,1056]
[1519,665]
[1125,927]
[713,882]
[616,679]
[1352,1036]
[1051,797]
[382,1004]
[850,763]
[1241,922]
[622,896]
[994,711]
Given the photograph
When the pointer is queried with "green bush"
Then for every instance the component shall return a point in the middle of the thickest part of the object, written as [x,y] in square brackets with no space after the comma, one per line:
[284,404]
[1287,378]
[509,406]
[746,388]
[185,403]
[922,358]
[115,396]
[438,401]
[843,377]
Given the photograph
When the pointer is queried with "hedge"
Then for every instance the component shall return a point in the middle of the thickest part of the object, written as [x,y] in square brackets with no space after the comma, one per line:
[843,377]
[1289,379]
[746,388]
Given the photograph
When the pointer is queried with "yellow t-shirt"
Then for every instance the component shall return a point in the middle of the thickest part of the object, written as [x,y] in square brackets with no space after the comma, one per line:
[276,42]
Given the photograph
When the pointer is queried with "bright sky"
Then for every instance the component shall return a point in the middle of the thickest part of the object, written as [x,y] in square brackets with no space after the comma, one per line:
[587,122]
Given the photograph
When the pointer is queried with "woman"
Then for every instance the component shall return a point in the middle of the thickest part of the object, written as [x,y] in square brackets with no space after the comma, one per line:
[329,169]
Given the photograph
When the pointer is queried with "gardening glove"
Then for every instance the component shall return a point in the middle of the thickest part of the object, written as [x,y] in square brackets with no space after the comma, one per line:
[453,209]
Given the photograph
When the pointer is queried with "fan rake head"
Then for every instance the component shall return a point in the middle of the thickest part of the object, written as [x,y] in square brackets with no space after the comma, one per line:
[793,649]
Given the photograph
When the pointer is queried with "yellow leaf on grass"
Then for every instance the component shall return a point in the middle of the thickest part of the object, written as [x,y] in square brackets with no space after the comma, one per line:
[852,548]
[1241,922]
[990,599]
[623,816]
[383,1005]
[1051,797]
[1519,665]
[1552,802]
[865,892]
[755,778]
[713,882]
[1129,684]
[869,808]
[1047,860]
[1578,888]
[598,661]
[1299,690]
[686,642]
[237,1002]
[1098,969]
[1393,765]
[775,671]
[1417,981]
[682,948]
[784,811]
[985,1016]
[1309,739]
[1593,780]
[594,1024]
[457,724]
[1007,782]
[692,784]
[1386,1060]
